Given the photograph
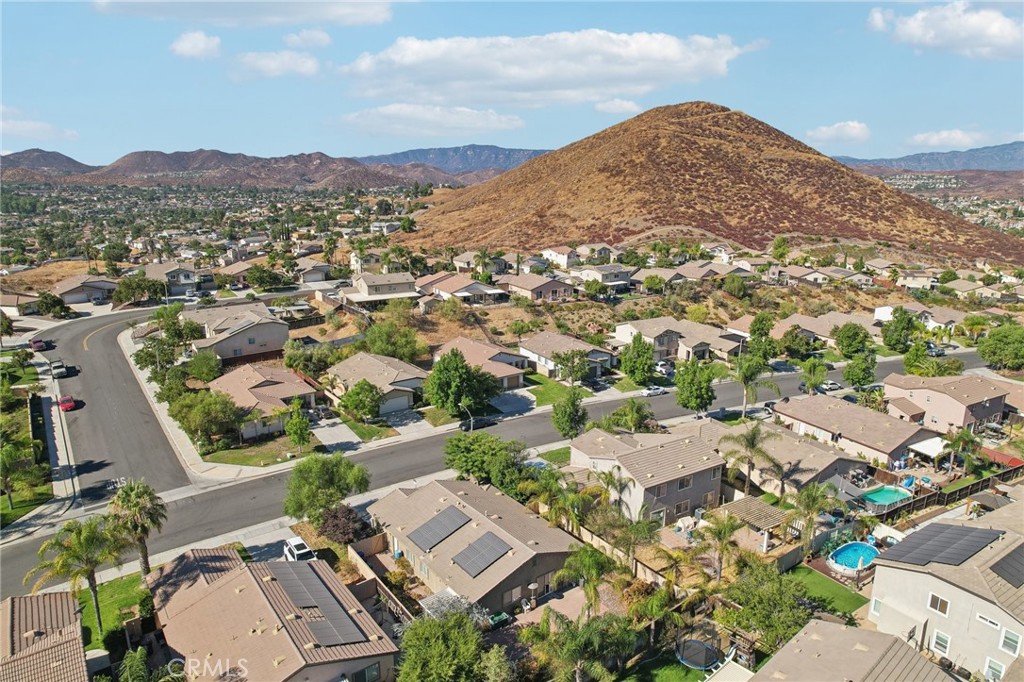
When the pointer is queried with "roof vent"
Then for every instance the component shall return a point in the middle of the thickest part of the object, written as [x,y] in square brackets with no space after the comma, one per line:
[278,661]
[278,628]
[239,589]
[291,616]
[354,611]
[32,634]
[268,578]
[374,638]
[56,664]
[443,500]
[309,646]
[252,632]
[680,466]
[650,475]
[463,492]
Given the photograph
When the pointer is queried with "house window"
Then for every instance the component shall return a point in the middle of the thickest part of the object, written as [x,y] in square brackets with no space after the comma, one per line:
[988,621]
[938,604]
[236,352]
[682,508]
[708,499]
[994,670]
[1010,643]
[940,643]
[252,340]
[660,490]
[685,482]
[716,472]
[370,674]
[876,607]
[513,595]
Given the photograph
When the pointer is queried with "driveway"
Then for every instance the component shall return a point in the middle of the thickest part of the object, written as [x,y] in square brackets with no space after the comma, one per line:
[514,402]
[336,436]
[409,421]
[269,546]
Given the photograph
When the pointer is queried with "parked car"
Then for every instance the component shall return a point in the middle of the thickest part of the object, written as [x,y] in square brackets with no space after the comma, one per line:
[98,300]
[66,403]
[830,385]
[325,412]
[595,385]
[477,423]
[651,391]
[295,549]
[235,286]
[935,352]
[58,369]
[662,367]
[38,344]
[190,293]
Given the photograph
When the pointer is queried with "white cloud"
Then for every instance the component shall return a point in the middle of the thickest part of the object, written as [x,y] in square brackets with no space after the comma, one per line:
[283,63]
[584,66]
[196,45]
[247,13]
[618,106]
[14,124]
[426,119]
[986,33]
[949,138]
[310,37]
[844,131]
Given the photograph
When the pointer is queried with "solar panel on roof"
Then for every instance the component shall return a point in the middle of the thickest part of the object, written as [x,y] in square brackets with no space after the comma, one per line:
[1011,567]
[433,532]
[481,553]
[307,591]
[941,543]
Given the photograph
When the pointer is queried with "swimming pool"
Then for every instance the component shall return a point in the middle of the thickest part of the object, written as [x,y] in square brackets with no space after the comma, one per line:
[886,495]
[851,557]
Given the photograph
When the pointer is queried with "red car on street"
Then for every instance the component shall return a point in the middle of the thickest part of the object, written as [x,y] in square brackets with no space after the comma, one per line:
[66,403]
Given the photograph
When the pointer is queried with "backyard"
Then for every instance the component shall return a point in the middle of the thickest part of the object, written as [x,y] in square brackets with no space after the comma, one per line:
[115,595]
[264,453]
[547,391]
[661,669]
[826,590]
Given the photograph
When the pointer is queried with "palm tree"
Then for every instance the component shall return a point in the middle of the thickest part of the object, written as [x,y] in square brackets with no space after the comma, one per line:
[716,537]
[17,473]
[676,561]
[590,566]
[874,400]
[808,502]
[814,373]
[660,606]
[558,492]
[139,510]
[750,371]
[610,487]
[975,325]
[963,443]
[134,666]
[783,473]
[750,451]
[633,415]
[574,649]
[482,260]
[636,534]
[78,549]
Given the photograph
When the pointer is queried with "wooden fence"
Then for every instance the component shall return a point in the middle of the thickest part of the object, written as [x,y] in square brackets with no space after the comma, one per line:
[941,499]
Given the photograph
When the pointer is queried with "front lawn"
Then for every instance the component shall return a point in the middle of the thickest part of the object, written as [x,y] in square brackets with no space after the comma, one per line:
[367,432]
[547,391]
[115,595]
[558,456]
[662,669]
[20,377]
[24,503]
[226,293]
[626,385]
[885,352]
[435,416]
[264,453]
[826,590]
[16,426]
[832,356]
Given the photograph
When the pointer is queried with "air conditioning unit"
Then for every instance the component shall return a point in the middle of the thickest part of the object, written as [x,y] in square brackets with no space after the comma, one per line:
[698,513]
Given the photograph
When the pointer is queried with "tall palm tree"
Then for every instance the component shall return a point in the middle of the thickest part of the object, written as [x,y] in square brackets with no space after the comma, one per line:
[140,511]
[635,534]
[547,484]
[808,502]
[716,538]
[633,415]
[575,650]
[660,606]
[814,372]
[963,443]
[568,508]
[74,554]
[750,371]
[750,451]
[134,666]
[874,400]
[482,259]
[591,566]
[784,473]
[610,487]
[676,562]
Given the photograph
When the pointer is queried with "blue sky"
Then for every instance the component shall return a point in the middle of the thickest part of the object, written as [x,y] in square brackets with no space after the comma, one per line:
[96,80]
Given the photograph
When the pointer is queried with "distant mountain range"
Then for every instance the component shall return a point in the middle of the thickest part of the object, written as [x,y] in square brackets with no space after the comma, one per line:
[1001,157]
[471,157]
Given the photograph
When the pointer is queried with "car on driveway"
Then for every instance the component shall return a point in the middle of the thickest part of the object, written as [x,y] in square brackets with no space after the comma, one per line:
[477,423]
[595,385]
[296,549]
[830,385]
[662,367]
[66,403]
[651,391]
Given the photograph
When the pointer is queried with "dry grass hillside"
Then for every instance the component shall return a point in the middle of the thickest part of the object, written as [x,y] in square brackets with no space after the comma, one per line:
[703,168]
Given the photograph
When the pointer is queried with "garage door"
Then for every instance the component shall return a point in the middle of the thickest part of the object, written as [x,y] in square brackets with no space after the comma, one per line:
[395,404]
[76,297]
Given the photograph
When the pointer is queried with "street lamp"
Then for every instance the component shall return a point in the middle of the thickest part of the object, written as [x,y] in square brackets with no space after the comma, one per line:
[465,405]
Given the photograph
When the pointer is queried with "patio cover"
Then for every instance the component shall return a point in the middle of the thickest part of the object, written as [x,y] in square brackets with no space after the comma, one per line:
[930,448]
[755,512]
[990,501]
[438,604]
[847,490]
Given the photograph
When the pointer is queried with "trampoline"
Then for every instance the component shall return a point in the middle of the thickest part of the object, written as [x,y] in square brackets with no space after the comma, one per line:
[693,653]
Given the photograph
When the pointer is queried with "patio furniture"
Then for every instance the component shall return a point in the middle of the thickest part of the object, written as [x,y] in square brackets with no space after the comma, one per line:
[498,619]
[908,483]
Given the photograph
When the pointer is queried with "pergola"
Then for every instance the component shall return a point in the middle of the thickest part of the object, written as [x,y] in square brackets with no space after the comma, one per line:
[755,513]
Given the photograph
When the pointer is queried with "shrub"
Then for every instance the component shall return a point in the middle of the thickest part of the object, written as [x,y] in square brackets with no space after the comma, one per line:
[343,525]
[396,580]
[404,565]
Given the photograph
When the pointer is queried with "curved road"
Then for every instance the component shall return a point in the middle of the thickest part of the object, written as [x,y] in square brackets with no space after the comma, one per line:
[238,505]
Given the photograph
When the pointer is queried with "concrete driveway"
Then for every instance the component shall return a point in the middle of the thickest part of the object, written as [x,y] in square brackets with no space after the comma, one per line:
[409,421]
[514,402]
[335,435]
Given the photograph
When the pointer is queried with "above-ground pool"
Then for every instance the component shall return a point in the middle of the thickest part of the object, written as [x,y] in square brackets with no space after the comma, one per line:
[851,557]
[886,496]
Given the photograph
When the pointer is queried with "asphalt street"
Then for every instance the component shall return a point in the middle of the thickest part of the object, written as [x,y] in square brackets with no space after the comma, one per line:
[236,506]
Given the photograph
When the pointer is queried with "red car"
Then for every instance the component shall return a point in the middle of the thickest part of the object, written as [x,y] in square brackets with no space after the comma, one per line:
[66,403]
[37,344]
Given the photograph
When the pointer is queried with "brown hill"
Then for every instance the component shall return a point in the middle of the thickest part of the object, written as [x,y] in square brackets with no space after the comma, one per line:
[43,162]
[702,168]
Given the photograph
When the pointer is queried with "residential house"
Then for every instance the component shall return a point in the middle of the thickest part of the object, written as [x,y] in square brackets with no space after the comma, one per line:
[265,395]
[535,287]
[852,277]
[540,350]
[598,253]
[821,327]
[238,271]
[698,271]
[798,274]
[176,277]
[475,542]
[678,339]
[879,266]
[956,589]
[399,382]
[948,404]
[272,621]
[13,303]
[238,333]
[670,475]
[720,251]
[41,639]
[367,261]
[824,650]
[232,254]
[932,317]
[963,288]
[614,275]
[369,290]
[670,276]
[467,262]
[752,263]
[507,366]
[562,256]
[83,288]
[447,285]
[857,430]
[915,280]
[385,227]
[310,270]
[526,263]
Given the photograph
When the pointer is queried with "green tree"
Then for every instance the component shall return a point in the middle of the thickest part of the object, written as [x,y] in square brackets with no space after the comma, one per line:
[75,553]
[495,666]
[574,650]
[205,366]
[851,339]
[588,565]
[595,288]
[795,344]
[697,313]
[6,325]
[773,605]
[715,538]
[1003,347]
[814,373]
[572,365]
[638,360]
[761,342]
[860,370]
[388,338]
[963,443]
[636,416]
[735,286]
[138,288]
[874,400]
[364,400]
[399,311]
[780,248]
[655,284]
[694,382]
[322,482]
[473,453]
[205,415]
[749,451]
[260,277]
[17,473]
[808,503]
[897,332]
[975,325]
[656,608]
[914,356]
[297,426]
[446,649]
[519,327]
[138,510]
[54,306]
[568,415]
[454,386]
[610,487]
[750,373]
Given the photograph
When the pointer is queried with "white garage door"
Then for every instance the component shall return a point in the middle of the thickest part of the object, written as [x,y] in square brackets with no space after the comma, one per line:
[395,404]
[76,297]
